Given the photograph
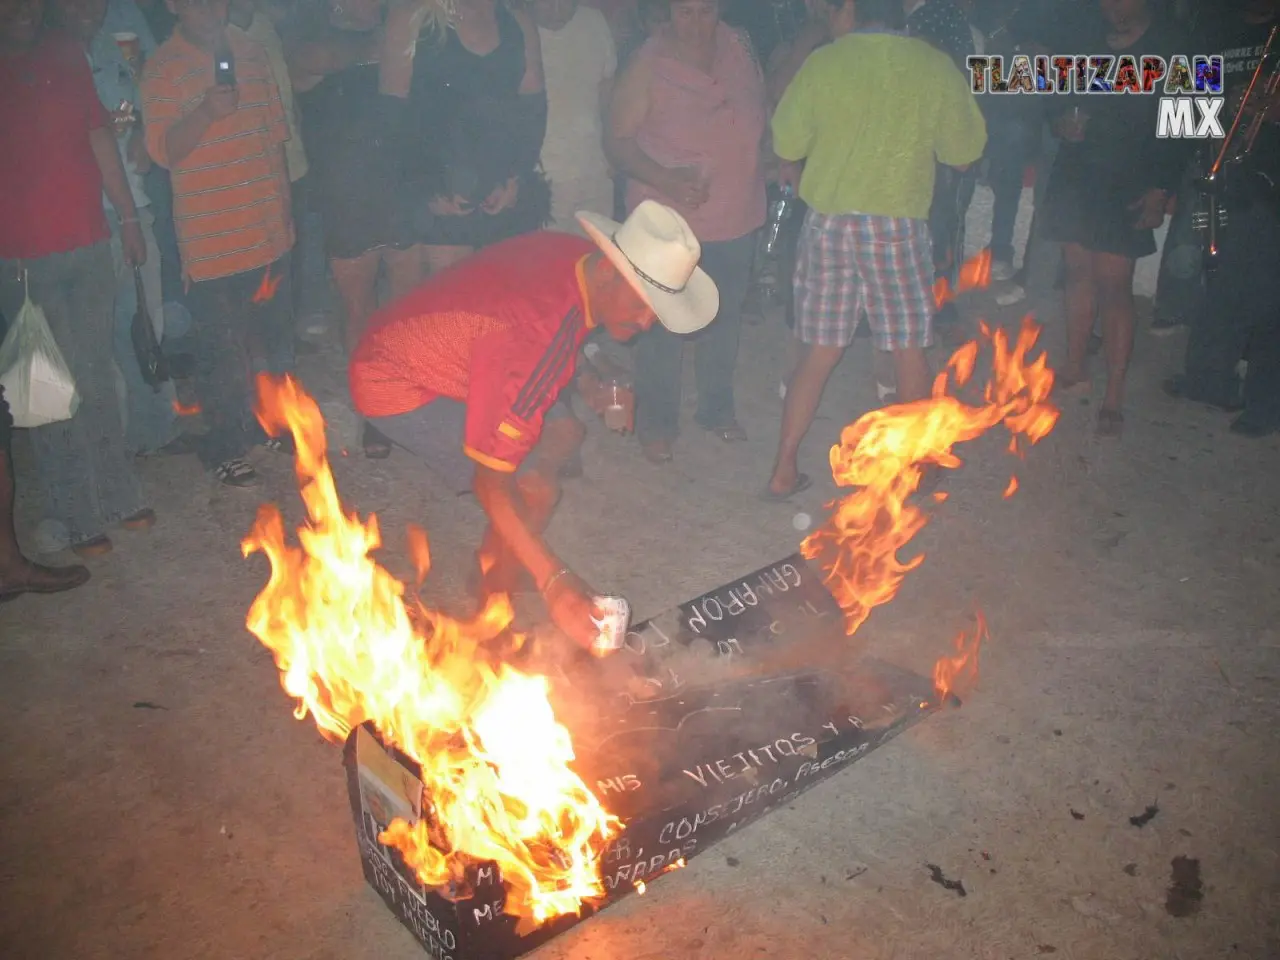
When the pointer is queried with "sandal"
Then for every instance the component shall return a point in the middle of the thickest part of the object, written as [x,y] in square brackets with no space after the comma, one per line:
[733,433]
[376,446]
[657,451]
[93,547]
[144,519]
[1110,423]
[803,482]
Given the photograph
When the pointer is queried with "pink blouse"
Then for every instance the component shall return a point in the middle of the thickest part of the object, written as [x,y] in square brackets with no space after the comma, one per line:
[713,122]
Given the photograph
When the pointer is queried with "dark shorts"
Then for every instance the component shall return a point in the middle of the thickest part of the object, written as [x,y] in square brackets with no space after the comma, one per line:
[477,229]
[1082,206]
[434,434]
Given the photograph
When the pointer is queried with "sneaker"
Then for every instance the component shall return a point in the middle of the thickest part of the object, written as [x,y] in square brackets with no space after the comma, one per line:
[236,473]
[1164,326]
[282,444]
[1002,271]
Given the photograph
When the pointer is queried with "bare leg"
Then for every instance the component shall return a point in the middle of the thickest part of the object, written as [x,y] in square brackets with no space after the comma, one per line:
[1113,281]
[1081,310]
[912,370]
[357,281]
[441,258]
[538,493]
[885,372]
[804,393]
[405,268]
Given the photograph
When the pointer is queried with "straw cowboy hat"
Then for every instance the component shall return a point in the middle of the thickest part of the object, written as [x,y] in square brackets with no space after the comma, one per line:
[658,254]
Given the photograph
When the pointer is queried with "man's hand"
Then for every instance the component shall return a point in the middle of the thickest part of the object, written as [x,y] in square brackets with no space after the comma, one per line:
[572,608]
[221,101]
[1070,126]
[788,175]
[136,151]
[686,187]
[449,206]
[132,244]
[1149,210]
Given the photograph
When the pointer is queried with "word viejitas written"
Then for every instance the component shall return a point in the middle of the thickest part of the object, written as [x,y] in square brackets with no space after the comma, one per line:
[1075,73]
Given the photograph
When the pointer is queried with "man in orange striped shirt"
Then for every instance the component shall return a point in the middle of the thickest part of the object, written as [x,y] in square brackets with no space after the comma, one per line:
[221,134]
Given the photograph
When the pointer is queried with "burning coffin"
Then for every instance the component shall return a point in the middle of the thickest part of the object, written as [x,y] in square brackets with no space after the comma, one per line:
[706,721]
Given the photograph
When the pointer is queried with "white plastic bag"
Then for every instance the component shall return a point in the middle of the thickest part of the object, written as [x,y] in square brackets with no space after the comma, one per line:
[37,382]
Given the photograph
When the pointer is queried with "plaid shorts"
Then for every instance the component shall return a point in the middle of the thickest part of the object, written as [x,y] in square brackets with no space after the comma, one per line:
[849,263]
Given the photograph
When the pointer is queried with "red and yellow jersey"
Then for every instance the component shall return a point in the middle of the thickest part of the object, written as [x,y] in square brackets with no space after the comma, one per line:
[499,331]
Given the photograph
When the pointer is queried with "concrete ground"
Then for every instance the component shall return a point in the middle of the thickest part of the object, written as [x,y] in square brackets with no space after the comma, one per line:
[159,800]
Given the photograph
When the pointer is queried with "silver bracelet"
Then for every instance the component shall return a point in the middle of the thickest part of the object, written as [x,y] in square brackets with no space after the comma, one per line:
[552,579]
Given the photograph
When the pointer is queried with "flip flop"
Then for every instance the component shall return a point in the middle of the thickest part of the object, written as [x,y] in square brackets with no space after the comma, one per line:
[803,482]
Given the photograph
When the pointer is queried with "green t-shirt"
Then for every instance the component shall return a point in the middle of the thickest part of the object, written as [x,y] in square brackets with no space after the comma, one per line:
[871,113]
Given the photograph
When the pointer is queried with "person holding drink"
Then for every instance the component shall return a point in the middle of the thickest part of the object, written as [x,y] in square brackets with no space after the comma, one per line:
[686,126]
[1110,186]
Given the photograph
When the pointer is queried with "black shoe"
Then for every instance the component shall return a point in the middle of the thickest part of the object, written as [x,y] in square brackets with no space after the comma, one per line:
[1180,388]
[236,473]
[1164,326]
[1255,426]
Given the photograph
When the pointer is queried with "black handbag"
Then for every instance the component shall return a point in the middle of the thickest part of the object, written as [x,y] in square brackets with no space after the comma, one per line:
[146,347]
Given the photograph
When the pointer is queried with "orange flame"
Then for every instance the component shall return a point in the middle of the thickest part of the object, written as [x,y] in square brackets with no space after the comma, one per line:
[266,291]
[494,759]
[974,274]
[184,409]
[1011,489]
[677,864]
[883,453]
[960,671]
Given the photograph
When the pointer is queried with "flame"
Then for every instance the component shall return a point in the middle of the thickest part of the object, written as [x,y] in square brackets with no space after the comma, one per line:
[884,453]
[266,291]
[493,758]
[676,864]
[1011,489]
[961,670]
[185,409]
[974,274]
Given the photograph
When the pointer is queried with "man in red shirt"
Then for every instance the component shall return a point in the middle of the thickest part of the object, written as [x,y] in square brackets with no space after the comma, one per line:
[468,371]
[58,155]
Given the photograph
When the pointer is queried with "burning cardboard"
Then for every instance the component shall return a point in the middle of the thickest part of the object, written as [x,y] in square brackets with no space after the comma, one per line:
[683,767]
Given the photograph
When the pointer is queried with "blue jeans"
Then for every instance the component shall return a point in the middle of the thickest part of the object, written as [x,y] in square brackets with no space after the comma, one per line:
[659,351]
[1013,144]
[234,337]
[150,420]
[85,471]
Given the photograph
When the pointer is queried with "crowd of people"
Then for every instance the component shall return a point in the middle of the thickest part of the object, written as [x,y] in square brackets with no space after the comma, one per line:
[471,190]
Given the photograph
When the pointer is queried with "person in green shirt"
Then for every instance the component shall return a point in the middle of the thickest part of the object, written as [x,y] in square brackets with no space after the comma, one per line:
[869,115]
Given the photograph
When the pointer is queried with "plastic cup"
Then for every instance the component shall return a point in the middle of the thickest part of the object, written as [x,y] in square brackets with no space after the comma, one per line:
[129,44]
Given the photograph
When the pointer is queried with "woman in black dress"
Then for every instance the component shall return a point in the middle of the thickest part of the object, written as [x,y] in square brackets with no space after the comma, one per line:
[477,114]
[333,52]
[1111,183]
